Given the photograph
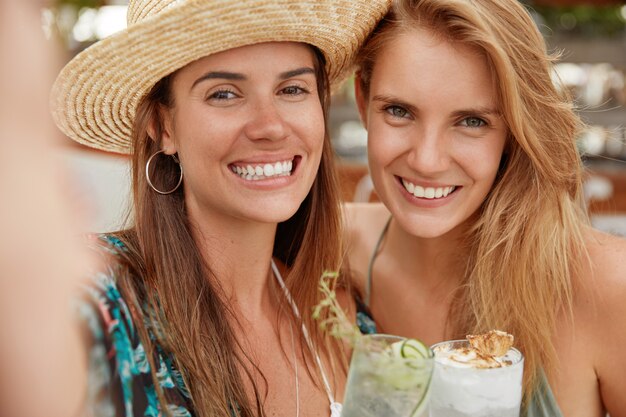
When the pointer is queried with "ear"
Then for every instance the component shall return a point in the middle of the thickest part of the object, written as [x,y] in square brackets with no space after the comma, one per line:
[160,130]
[361,100]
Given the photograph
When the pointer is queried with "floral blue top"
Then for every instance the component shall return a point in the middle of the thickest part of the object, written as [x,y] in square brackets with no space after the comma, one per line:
[120,381]
[364,320]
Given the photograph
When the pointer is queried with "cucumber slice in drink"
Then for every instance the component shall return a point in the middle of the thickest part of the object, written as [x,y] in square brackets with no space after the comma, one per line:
[408,349]
[413,349]
[404,368]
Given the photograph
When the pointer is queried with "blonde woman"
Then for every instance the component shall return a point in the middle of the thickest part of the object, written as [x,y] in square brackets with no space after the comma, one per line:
[204,308]
[472,150]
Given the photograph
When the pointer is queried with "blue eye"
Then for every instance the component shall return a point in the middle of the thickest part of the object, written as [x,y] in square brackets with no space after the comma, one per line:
[397,111]
[473,122]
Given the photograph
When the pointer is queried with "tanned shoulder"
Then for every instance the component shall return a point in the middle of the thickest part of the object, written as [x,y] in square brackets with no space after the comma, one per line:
[363,224]
[607,288]
[360,217]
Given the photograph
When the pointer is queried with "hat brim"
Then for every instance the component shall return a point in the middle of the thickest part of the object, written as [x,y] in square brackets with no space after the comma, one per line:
[95,96]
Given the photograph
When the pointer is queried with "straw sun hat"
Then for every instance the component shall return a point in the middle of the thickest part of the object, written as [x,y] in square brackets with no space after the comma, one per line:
[95,96]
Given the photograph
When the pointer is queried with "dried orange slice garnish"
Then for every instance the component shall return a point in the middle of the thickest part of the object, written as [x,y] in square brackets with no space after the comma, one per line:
[493,343]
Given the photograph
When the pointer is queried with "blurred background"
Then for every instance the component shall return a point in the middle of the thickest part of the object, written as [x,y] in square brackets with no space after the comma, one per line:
[590,35]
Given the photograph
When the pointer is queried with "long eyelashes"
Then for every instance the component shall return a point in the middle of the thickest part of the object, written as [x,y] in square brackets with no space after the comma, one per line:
[294,90]
[400,112]
[396,111]
[222,94]
[473,122]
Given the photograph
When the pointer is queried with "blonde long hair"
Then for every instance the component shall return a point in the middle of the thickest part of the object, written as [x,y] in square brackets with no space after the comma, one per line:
[527,243]
[164,270]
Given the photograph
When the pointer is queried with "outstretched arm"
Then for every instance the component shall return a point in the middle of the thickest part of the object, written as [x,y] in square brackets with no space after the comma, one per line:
[42,360]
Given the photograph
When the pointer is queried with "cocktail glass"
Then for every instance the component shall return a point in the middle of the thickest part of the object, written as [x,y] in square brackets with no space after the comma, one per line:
[389,377]
[466,391]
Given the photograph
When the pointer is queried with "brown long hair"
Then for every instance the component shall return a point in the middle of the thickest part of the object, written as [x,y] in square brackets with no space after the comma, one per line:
[164,270]
[527,245]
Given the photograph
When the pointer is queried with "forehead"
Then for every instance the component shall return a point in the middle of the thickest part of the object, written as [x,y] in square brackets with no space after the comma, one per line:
[421,61]
[257,58]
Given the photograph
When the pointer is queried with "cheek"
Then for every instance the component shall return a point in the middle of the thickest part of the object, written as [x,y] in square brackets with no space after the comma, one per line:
[483,163]
[376,155]
[384,145]
[314,129]
[380,156]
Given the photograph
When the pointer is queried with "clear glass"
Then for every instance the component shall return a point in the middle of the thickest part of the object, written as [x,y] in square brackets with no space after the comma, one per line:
[476,392]
[384,385]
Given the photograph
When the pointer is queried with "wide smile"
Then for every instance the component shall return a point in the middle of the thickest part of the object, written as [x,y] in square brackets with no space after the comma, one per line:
[257,171]
[428,192]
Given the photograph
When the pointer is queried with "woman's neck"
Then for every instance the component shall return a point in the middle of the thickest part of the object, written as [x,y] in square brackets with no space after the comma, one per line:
[435,262]
[238,254]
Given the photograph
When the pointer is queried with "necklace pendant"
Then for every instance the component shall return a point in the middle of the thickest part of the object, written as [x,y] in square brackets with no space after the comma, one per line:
[335,409]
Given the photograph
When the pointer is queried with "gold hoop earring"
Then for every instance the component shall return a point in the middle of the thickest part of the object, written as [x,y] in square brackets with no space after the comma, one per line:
[180,179]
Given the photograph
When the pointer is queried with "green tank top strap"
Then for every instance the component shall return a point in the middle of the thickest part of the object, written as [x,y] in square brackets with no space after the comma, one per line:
[370,266]
[543,403]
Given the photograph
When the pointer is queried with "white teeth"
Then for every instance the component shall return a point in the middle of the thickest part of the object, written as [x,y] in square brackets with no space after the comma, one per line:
[427,192]
[263,171]
[409,187]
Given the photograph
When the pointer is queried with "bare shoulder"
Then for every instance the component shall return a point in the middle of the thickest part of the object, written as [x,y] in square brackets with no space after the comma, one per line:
[604,295]
[604,279]
[608,258]
[364,222]
[361,217]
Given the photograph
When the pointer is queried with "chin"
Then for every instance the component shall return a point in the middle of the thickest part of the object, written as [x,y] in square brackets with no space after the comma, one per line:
[426,228]
[432,234]
[275,214]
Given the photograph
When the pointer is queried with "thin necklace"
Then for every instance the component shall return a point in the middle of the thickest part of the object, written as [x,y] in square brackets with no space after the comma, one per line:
[335,407]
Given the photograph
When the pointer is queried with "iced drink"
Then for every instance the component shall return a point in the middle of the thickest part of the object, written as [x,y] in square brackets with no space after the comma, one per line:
[469,383]
[389,377]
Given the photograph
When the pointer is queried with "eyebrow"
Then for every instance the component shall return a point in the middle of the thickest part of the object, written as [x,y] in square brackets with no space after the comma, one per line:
[294,73]
[395,101]
[224,75]
[481,111]
[235,76]
[484,111]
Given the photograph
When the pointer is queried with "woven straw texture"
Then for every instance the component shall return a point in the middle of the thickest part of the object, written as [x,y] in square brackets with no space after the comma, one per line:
[95,96]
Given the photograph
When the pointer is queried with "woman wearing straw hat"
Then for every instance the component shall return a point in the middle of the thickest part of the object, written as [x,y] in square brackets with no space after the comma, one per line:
[222,107]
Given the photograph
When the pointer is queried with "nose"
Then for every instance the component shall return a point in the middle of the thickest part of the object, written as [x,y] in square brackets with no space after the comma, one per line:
[430,152]
[266,122]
